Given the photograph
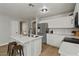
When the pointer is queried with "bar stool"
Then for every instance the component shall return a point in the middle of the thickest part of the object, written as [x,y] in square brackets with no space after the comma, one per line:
[10,47]
[17,50]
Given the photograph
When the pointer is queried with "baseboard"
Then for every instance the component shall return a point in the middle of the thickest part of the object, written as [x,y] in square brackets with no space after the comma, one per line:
[5,43]
[2,44]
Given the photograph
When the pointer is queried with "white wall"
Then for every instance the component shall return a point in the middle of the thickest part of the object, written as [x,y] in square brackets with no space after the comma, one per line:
[15,30]
[5,29]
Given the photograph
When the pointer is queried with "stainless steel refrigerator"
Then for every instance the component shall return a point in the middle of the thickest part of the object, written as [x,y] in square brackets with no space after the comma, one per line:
[42,27]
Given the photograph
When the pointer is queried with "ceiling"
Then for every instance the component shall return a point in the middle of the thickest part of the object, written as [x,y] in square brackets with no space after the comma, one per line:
[22,10]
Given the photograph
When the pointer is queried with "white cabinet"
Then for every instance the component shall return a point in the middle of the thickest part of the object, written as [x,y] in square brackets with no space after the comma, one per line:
[54,40]
[27,49]
[37,47]
[15,27]
[63,22]
[49,39]
[76,7]
[32,46]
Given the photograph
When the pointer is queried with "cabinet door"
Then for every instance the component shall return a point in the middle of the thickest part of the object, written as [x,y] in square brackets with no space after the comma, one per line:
[77,7]
[63,22]
[69,22]
[37,47]
[48,39]
[54,40]
[51,40]
[27,49]
[57,39]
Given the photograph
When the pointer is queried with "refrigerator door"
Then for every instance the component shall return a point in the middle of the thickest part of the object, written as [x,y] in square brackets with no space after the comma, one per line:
[42,31]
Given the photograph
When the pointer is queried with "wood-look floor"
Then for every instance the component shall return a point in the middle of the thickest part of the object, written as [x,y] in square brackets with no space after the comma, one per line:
[3,50]
[47,50]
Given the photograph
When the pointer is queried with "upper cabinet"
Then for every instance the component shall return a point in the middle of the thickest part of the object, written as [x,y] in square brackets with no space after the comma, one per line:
[75,10]
[76,7]
[63,22]
[60,22]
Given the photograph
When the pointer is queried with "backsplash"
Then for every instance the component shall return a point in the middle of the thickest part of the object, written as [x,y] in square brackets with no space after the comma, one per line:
[64,31]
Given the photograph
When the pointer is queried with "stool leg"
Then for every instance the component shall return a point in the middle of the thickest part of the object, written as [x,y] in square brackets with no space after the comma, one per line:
[8,50]
[12,52]
[22,52]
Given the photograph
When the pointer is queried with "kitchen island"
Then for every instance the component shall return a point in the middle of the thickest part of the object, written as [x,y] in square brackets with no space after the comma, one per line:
[32,45]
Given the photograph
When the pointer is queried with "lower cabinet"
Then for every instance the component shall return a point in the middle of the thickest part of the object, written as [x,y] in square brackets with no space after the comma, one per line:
[27,49]
[54,40]
[33,48]
[37,47]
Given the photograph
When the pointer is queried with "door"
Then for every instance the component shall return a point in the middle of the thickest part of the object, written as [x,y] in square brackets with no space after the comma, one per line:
[15,29]
[34,27]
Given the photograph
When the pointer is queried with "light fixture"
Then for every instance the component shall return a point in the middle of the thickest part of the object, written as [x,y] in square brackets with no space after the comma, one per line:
[44,9]
[31,5]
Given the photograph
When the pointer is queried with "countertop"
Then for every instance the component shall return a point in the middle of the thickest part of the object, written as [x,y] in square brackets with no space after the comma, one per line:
[65,35]
[24,39]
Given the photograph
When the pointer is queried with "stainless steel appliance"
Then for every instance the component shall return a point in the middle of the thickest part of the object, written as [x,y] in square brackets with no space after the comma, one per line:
[42,28]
